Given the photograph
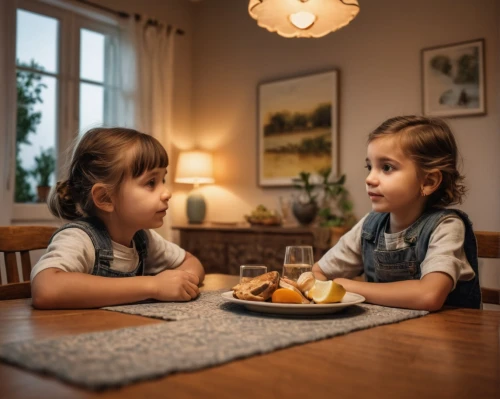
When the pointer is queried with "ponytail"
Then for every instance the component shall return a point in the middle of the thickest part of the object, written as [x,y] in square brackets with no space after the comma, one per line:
[61,203]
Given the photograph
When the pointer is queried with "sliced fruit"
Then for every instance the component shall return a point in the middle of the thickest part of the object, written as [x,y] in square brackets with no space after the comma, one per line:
[284,295]
[285,285]
[326,292]
[306,281]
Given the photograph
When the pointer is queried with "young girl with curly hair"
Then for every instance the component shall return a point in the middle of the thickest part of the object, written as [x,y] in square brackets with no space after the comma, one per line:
[415,253]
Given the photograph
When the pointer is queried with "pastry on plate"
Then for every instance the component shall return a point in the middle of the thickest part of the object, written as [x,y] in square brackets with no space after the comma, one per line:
[259,288]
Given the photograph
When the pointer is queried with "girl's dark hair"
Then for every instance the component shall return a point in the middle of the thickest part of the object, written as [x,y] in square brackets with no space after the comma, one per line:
[429,142]
[107,156]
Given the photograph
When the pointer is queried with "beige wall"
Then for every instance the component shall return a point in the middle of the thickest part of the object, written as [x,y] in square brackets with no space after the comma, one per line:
[378,56]
[224,56]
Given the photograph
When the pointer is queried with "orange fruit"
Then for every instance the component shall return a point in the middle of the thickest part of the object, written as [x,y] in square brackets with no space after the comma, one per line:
[283,295]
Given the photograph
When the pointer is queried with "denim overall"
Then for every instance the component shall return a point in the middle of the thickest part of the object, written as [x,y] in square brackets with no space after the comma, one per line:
[101,240]
[381,265]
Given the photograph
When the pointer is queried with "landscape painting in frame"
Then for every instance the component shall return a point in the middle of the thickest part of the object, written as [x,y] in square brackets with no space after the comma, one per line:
[297,127]
[453,79]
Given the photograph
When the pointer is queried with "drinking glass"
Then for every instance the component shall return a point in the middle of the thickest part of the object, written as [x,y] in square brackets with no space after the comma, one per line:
[248,272]
[298,260]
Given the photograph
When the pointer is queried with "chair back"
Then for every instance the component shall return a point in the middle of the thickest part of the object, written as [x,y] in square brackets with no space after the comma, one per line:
[488,246]
[22,239]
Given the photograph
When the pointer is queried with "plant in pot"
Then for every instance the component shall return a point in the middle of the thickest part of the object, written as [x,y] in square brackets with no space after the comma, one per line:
[305,206]
[337,208]
[45,165]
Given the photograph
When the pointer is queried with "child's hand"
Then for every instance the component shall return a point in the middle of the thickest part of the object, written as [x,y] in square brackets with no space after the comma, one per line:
[176,285]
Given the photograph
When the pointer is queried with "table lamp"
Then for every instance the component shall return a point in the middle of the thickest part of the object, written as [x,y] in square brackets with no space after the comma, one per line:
[195,167]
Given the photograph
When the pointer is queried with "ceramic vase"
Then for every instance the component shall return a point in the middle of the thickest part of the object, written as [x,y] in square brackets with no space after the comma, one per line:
[305,213]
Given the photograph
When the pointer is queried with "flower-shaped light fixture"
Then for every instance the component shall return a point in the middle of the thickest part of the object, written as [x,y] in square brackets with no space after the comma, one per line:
[303,18]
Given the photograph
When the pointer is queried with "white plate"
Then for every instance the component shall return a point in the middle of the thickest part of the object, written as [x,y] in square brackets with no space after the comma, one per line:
[349,299]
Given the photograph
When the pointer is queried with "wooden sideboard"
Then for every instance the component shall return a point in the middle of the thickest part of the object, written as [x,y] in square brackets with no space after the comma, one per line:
[223,249]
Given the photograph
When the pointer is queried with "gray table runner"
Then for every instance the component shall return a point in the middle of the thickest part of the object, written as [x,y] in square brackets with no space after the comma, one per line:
[207,305]
[207,332]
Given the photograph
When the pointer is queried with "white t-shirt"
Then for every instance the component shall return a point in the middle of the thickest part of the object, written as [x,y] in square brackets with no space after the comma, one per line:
[72,250]
[445,253]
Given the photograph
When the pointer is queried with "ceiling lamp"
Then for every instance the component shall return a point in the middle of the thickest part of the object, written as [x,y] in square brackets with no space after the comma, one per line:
[303,18]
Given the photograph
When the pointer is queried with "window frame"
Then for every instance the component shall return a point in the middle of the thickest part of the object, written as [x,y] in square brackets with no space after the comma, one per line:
[71,20]
[82,22]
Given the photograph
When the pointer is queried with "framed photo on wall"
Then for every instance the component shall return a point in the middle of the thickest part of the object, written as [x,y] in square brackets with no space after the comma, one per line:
[297,127]
[453,79]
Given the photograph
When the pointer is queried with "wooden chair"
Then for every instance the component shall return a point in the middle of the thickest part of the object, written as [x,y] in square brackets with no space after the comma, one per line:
[488,246]
[21,239]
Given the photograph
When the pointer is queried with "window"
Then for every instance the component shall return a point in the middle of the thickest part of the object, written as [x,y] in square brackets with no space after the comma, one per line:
[91,78]
[38,78]
[65,85]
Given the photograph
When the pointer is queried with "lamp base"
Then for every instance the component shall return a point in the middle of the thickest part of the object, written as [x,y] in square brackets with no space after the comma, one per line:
[196,208]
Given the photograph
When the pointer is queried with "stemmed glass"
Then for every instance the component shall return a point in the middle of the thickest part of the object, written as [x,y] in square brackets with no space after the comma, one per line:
[298,260]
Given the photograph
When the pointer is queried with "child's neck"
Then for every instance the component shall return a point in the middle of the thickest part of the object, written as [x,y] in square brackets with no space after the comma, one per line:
[118,233]
[122,238]
[400,222]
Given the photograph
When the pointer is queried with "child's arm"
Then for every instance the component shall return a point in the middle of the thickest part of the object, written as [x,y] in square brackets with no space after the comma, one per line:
[62,277]
[191,264]
[344,259]
[429,293]
[444,264]
[318,273]
[57,289]
[164,255]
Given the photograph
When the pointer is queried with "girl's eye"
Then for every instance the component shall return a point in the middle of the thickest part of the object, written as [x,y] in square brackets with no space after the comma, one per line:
[387,168]
[369,167]
[151,183]
[164,181]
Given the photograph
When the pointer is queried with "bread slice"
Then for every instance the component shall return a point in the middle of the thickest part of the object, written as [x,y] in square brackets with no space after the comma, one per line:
[259,288]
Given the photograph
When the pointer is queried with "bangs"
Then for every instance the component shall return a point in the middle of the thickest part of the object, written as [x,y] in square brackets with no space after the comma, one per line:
[408,139]
[148,154]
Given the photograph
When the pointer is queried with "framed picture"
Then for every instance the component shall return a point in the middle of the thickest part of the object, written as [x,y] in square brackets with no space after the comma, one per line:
[297,123]
[453,79]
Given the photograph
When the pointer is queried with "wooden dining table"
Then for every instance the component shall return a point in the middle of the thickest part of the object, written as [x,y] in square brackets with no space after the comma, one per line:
[453,353]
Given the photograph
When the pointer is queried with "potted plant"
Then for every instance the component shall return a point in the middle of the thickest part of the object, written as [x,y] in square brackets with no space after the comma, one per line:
[45,165]
[336,210]
[305,207]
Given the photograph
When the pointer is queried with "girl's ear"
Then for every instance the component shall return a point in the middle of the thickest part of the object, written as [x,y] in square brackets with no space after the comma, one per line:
[431,183]
[101,198]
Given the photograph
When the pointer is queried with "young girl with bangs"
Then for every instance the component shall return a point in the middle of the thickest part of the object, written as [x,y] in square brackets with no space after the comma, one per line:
[114,194]
[414,252]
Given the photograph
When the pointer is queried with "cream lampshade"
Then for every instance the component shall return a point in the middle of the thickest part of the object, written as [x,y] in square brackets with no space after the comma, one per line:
[195,167]
[303,18]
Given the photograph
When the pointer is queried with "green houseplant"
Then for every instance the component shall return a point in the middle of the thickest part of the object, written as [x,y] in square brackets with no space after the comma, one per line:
[45,165]
[328,199]
[337,206]
[29,94]
[336,211]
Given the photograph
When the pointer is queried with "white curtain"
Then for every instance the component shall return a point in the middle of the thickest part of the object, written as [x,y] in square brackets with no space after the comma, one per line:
[146,86]
[7,108]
